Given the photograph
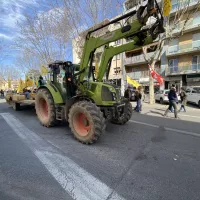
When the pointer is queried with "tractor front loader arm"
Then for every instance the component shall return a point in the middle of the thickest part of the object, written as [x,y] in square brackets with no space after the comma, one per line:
[128,31]
[111,51]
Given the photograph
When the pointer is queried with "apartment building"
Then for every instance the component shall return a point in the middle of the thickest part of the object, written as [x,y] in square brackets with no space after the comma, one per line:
[180,60]
[183,53]
[135,64]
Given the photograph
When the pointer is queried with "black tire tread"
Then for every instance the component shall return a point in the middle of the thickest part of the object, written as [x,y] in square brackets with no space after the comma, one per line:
[16,106]
[52,119]
[98,121]
[125,117]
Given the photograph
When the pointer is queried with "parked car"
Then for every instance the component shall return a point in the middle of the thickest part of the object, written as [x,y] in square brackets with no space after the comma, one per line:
[162,96]
[193,95]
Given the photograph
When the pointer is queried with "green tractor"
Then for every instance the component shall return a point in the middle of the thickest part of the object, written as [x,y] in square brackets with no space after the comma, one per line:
[81,98]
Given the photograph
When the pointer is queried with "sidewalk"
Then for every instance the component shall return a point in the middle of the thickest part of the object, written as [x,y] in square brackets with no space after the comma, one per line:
[192,114]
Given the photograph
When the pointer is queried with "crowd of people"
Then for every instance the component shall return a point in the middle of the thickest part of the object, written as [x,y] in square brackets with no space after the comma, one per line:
[173,101]
[172,96]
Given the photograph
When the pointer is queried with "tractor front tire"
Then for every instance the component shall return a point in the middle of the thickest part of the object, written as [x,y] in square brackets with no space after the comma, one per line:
[45,108]
[125,117]
[86,122]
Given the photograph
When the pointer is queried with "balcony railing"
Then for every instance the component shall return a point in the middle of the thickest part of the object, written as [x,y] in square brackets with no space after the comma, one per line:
[137,59]
[189,69]
[141,74]
[134,75]
[192,24]
[182,4]
[189,47]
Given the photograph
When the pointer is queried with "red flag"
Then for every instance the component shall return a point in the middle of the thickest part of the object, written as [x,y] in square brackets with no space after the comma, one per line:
[155,75]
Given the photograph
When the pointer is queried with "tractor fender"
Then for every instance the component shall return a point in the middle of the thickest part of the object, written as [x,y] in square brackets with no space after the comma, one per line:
[54,92]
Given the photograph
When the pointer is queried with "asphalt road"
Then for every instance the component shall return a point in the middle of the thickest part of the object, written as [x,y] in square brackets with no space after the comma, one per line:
[148,158]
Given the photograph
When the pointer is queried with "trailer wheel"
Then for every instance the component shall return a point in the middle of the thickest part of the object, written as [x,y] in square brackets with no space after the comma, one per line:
[45,108]
[16,106]
[86,122]
[125,117]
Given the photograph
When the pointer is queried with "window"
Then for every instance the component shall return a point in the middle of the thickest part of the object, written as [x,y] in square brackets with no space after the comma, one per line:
[196,18]
[188,91]
[173,46]
[196,41]
[167,92]
[117,42]
[195,63]
[118,57]
[173,65]
[194,91]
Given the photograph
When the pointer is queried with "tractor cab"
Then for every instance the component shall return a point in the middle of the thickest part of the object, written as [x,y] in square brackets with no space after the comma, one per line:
[62,76]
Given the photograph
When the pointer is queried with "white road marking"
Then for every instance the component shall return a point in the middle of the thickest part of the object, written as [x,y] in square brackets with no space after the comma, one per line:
[172,114]
[193,116]
[78,183]
[143,123]
[184,132]
[167,128]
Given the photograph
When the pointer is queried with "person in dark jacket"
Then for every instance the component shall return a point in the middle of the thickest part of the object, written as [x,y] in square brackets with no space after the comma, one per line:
[138,98]
[127,93]
[183,97]
[172,96]
[40,81]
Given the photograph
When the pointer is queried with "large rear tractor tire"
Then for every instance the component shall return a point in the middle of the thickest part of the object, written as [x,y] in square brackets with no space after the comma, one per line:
[16,106]
[86,122]
[125,117]
[45,108]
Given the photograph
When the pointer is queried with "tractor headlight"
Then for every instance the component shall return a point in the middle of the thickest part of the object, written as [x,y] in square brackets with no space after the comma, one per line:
[114,96]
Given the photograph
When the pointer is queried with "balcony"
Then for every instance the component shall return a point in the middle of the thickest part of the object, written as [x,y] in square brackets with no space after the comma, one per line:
[183,48]
[135,60]
[141,74]
[134,75]
[191,25]
[191,69]
[182,4]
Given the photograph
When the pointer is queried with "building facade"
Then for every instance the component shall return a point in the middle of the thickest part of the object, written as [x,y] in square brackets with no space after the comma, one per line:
[134,61]
[183,53]
[180,57]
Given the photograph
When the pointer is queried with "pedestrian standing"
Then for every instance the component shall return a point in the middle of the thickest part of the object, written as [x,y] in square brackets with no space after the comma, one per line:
[2,93]
[172,96]
[127,93]
[138,98]
[141,96]
[183,97]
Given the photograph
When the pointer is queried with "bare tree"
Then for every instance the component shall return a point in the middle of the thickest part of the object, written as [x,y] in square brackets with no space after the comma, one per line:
[86,15]
[42,36]
[8,72]
[180,17]
[27,61]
